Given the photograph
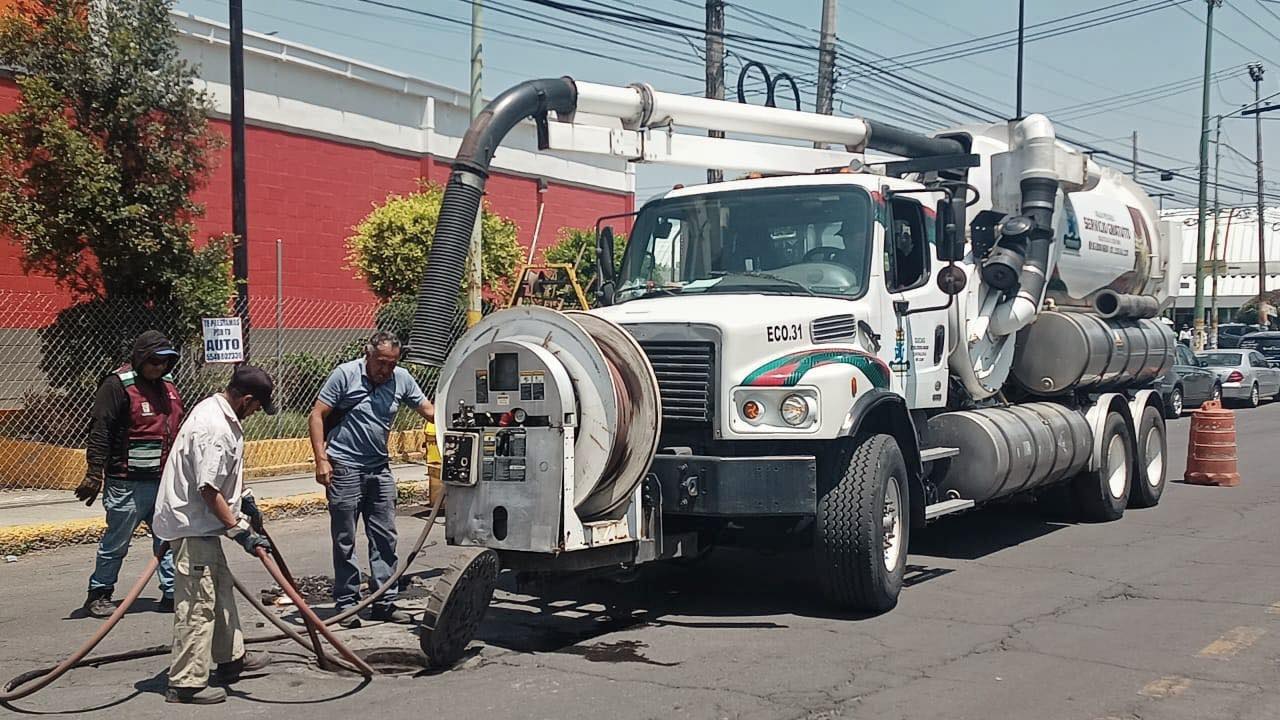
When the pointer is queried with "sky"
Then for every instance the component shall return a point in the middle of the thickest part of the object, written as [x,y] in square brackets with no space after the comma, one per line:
[1084,75]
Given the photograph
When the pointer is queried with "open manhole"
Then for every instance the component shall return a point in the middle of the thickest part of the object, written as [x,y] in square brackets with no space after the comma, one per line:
[394,660]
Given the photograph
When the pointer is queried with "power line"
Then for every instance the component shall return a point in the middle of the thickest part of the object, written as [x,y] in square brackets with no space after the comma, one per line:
[1007,34]
[1228,38]
[456,21]
[1030,37]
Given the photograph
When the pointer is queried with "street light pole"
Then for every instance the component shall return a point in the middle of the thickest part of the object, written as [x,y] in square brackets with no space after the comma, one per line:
[1213,248]
[239,213]
[1197,341]
[1255,74]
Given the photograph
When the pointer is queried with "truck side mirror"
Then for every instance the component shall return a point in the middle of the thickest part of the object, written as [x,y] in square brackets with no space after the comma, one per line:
[949,232]
[604,265]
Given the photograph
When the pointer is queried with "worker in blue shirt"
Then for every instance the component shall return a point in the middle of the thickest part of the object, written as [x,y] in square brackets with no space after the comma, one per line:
[349,426]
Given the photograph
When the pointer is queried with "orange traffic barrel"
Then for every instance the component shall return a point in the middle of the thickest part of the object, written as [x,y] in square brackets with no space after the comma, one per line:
[1211,447]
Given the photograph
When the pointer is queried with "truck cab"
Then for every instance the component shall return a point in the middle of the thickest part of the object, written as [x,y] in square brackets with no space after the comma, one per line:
[782,317]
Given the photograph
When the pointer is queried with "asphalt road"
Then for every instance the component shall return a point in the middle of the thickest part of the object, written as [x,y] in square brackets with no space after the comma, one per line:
[1172,612]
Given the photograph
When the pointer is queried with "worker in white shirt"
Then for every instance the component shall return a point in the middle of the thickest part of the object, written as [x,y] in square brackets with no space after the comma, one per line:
[201,499]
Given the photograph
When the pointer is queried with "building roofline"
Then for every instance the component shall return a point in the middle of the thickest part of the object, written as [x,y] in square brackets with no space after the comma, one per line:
[296,52]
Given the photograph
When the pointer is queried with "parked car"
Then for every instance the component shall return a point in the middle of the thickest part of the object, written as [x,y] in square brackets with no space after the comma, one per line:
[1229,334]
[1246,375]
[1267,343]
[1188,383]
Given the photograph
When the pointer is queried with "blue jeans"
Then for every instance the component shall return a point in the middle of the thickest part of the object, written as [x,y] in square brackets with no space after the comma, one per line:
[129,503]
[368,494]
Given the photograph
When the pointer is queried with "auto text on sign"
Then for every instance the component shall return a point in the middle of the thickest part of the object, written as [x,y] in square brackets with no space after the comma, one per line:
[223,340]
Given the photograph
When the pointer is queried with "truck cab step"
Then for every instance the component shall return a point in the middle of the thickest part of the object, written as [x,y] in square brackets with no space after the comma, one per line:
[938,453]
[946,507]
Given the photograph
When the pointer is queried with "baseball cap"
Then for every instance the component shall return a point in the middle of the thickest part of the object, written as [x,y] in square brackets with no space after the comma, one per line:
[250,380]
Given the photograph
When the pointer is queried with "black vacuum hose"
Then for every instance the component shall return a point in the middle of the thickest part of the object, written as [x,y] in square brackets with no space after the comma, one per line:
[32,681]
[432,331]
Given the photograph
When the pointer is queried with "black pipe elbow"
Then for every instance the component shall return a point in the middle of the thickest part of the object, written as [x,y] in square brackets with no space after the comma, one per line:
[435,317]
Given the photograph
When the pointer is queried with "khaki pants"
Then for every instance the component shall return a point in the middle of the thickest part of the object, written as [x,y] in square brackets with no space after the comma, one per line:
[206,626]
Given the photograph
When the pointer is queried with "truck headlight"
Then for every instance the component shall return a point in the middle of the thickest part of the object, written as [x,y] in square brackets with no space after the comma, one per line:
[794,410]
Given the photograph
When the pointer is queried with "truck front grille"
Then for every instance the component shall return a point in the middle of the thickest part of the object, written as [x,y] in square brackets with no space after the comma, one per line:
[686,378]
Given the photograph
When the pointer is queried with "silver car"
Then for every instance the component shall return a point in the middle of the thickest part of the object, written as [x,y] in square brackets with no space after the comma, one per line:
[1246,376]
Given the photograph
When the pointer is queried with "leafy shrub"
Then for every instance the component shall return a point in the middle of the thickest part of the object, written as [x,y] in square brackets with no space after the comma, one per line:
[389,247]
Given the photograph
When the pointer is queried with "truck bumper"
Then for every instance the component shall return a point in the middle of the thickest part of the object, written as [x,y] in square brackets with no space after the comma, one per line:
[706,485]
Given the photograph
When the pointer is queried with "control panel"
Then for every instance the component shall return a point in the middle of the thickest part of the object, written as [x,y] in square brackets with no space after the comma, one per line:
[459,459]
[502,455]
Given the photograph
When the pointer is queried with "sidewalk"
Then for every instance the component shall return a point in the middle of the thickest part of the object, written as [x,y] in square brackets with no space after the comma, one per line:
[42,519]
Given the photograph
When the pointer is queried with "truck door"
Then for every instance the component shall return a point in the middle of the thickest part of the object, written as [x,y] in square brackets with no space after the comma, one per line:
[917,355]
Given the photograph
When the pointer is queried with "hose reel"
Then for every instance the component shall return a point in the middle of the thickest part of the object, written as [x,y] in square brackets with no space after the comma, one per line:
[537,375]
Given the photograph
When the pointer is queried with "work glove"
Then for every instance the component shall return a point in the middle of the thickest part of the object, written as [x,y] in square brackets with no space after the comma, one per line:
[88,489]
[249,508]
[248,539]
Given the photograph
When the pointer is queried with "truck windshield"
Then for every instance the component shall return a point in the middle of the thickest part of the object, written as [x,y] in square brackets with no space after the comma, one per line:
[813,240]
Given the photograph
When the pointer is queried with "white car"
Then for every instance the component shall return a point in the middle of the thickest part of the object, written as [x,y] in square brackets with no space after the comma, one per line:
[1246,375]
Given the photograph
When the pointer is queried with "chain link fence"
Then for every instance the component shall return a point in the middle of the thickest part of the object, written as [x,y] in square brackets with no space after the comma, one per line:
[52,358]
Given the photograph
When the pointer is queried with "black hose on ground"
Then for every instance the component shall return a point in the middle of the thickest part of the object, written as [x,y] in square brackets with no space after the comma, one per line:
[321,661]
[15,690]
[309,615]
[40,678]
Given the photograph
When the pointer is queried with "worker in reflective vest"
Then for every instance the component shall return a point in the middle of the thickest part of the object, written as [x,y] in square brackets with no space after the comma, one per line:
[136,414]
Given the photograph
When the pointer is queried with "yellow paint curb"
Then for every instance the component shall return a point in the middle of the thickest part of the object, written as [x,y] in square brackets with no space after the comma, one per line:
[21,539]
[27,464]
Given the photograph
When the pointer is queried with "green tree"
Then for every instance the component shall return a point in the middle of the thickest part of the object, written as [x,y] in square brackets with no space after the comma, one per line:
[577,247]
[389,247]
[99,160]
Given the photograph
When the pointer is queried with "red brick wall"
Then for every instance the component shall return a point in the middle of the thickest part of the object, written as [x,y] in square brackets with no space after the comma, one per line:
[309,192]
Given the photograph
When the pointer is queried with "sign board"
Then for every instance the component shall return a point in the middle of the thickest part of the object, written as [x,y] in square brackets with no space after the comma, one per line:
[223,340]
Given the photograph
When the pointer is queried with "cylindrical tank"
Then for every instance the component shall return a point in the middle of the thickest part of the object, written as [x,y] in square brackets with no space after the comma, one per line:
[1010,450]
[1065,351]
[1108,239]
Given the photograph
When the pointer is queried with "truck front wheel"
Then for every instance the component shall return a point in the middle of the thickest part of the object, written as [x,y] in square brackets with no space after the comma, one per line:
[862,526]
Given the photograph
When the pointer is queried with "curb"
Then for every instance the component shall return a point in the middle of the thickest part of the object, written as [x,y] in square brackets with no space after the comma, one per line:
[22,539]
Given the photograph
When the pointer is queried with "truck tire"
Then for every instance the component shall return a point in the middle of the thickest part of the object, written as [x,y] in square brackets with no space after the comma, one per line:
[862,527]
[1102,494]
[1153,468]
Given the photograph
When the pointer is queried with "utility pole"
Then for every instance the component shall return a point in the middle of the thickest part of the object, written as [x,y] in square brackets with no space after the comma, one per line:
[1022,16]
[475,285]
[1213,248]
[1255,74]
[1197,341]
[715,68]
[1134,172]
[239,213]
[827,59]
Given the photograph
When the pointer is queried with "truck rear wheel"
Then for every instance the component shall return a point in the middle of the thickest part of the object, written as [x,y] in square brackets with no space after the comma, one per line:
[862,527]
[1152,467]
[1102,494]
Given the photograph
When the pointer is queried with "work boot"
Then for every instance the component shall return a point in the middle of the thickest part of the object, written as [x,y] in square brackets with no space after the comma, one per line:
[165,605]
[391,613]
[99,603]
[196,696]
[248,662]
[350,623]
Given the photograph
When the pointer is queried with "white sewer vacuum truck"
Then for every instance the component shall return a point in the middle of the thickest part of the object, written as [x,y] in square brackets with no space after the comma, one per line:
[829,353]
